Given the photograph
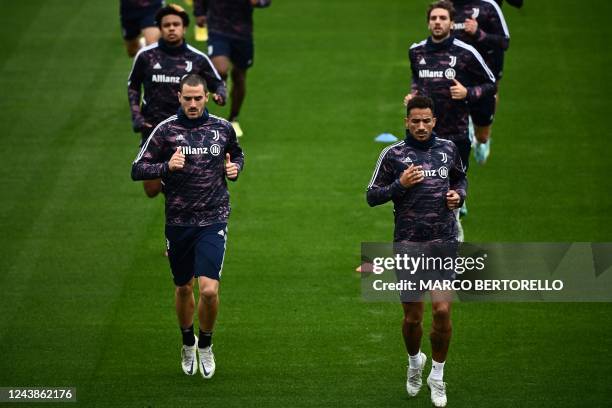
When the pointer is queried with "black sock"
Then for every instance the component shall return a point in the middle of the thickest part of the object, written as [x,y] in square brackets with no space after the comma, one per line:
[188,336]
[205,339]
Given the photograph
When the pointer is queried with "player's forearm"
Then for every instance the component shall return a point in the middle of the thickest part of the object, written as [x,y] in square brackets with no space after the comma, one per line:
[493,40]
[380,195]
[134,99]
[148,171]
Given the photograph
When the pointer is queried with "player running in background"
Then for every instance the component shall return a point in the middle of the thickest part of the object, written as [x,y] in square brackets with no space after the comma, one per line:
[138,18]
[481,24]
[157,70]
[194,152]
[230,43]
[452,73]
[424,177]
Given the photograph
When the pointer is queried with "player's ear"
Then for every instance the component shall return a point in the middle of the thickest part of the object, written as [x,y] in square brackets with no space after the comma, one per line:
[433,122]
[178,95]
[406,122]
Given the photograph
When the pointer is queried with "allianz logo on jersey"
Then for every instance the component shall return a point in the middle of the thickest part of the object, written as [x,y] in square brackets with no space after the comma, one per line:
[166,79]
[442,172]
[448,73]
[214,149]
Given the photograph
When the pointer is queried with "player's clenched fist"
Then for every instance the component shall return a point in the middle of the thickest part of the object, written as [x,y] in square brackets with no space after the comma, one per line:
[452,199]
[458,91]
[177,161]
[411,176]
[471,26]
[231,169]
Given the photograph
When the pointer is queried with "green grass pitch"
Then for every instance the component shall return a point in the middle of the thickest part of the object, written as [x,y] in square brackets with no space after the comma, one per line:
[86,296]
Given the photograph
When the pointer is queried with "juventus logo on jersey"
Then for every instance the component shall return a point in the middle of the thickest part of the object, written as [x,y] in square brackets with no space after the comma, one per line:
[189,66]
[215,135]
[444,157]
[476,12]
[453,61]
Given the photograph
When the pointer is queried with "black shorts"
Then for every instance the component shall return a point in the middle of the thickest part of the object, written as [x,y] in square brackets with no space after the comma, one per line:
[464,147]
[483,111]
[240,52]
[133,21]
[434,272]
[196,251]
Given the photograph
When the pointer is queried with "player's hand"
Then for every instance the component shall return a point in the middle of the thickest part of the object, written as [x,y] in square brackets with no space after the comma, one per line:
[452,199]
[219,99]
[201,21]
[411,176]
[458,91]
[177,161]
[408,97]
[231,169]
[471,26]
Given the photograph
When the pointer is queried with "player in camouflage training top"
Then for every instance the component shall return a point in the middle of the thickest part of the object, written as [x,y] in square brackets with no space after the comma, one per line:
[138,18]
[481,24]
[423,175]
[450,72]
[194,153]
[157,70]
[230,43]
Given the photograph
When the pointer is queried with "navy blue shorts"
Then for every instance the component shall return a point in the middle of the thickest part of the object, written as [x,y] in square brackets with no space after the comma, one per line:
[134,20]
[240,52]
[464,147]
[483,111]
[196,251]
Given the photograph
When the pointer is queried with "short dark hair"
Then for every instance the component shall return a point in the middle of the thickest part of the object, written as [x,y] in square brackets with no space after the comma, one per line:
[442,4]
[192,80]
[419,102]
[174,9]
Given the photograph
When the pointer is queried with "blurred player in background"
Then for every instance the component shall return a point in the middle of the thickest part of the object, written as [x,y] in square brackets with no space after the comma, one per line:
[424,177]
[230,43]
[157,70]
[194,152]
[481,24]
[138,18]
[453,74]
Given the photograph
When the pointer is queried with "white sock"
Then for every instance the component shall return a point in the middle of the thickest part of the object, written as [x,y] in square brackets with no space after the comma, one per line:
[415,361]
[437,370]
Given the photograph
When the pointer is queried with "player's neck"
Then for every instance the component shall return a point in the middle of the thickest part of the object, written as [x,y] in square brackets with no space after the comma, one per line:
[440,39]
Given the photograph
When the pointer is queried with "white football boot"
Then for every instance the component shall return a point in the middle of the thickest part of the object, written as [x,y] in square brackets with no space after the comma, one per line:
[438,392]
[415,377]
[207,362]
[189,358]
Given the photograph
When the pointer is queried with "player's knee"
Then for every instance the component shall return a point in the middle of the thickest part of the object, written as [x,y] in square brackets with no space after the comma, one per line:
[413,321]
[441,313]
[184,290]
[209,294]
[152,189]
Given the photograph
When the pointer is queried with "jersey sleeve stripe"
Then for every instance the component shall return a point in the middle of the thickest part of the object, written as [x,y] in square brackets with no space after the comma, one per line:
[477,55]
[501,16]
[379,162]
[418,44]
[207,59]
[146,144]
